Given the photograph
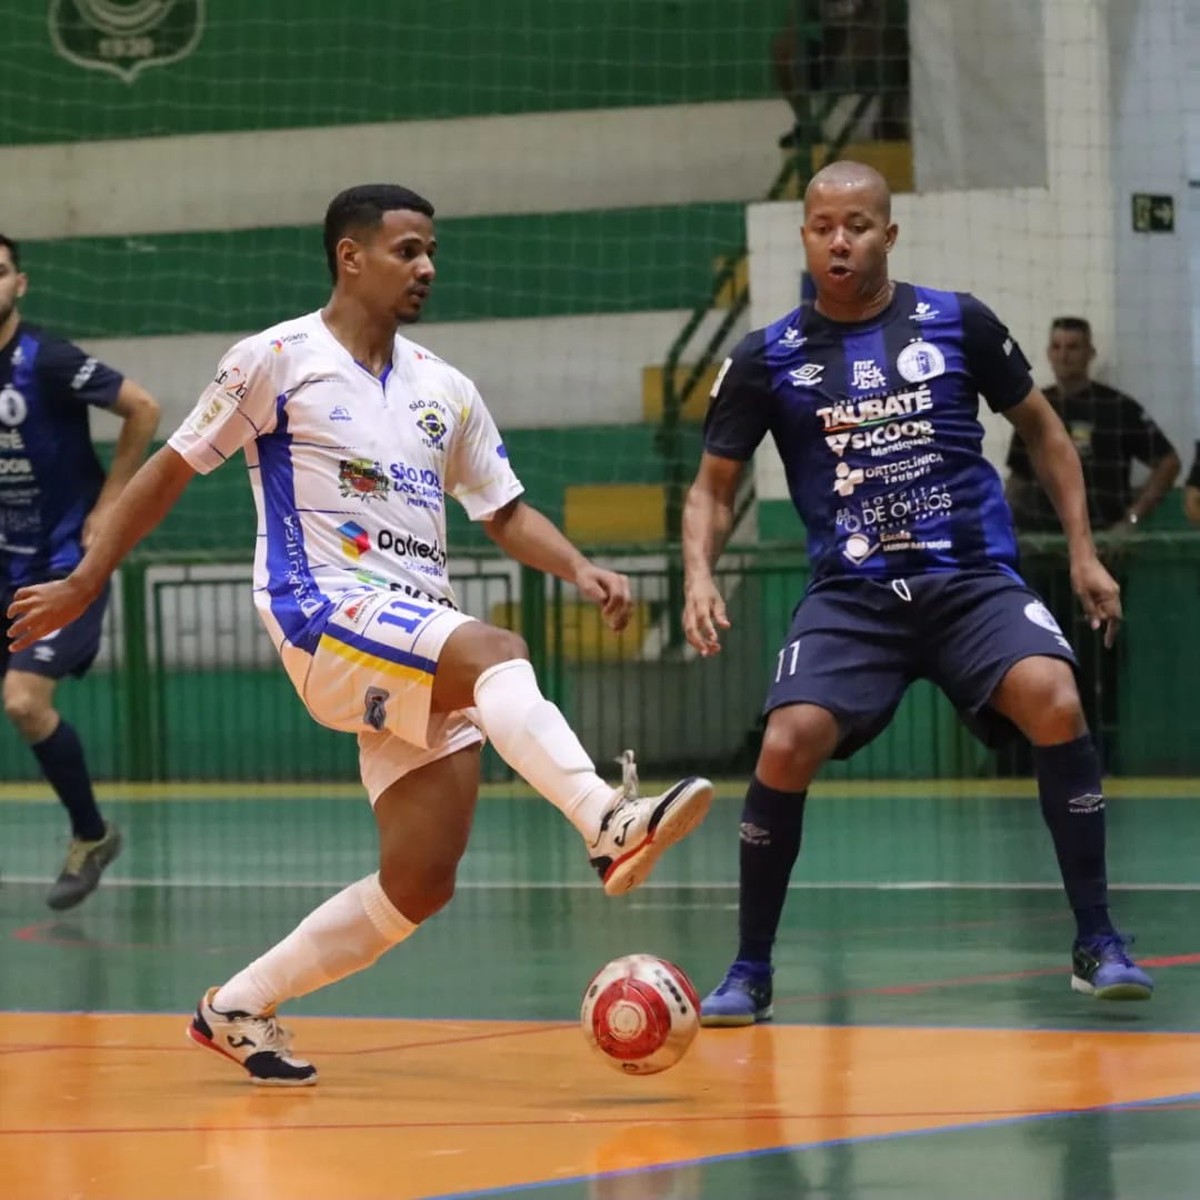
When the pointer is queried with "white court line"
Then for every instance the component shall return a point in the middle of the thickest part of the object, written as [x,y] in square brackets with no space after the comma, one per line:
[574,885]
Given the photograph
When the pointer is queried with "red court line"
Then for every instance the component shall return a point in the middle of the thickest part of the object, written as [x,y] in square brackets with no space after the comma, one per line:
[930,985]
[387,1048]
[575,1122]
[42,933]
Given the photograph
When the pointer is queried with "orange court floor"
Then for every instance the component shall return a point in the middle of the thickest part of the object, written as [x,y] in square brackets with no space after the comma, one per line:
[926,1047]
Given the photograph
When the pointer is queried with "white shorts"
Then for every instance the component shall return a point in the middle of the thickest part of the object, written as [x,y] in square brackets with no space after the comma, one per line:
[372,674]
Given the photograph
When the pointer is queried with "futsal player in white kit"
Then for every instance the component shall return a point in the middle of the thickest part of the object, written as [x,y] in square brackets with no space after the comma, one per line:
[354,436]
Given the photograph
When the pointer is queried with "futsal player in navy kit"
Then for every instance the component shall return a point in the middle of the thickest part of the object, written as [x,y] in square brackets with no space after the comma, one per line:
[871,396]
[53,495]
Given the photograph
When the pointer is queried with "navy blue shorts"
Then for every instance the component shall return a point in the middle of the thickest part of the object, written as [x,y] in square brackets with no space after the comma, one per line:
[855,645]
[70,651]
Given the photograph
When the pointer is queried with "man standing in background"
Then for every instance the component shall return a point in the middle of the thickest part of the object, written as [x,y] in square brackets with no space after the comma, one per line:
[53,497]
[1110,431]
[1191,490]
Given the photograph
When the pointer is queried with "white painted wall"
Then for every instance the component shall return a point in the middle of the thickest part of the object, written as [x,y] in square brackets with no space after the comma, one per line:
[1153,352]
[540,163]
[532,373]
[1029,253]
[1191,117]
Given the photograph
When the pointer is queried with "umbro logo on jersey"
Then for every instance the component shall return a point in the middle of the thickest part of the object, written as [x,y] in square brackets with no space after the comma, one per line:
[808,375]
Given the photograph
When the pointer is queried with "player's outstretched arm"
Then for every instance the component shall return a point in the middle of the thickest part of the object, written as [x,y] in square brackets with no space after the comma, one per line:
[139,413]
[525,534]
[707,524]
[1056,464]
[147,498]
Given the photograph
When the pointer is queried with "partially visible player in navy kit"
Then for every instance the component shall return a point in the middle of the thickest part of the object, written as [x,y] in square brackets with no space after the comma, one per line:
[871,396]
[53,495]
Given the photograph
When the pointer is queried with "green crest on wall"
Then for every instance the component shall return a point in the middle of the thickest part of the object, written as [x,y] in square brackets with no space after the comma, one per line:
[125,36]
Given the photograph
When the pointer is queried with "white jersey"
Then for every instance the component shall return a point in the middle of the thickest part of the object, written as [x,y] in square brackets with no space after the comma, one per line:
[349,471]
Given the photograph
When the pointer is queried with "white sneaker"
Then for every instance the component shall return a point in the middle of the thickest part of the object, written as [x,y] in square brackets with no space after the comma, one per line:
[637,829]
[260,1044]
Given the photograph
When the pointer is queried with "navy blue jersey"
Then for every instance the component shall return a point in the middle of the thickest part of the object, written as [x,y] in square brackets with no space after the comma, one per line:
[49,474]
[877,425]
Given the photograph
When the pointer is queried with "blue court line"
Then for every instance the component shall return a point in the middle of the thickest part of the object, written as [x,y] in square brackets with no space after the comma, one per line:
[829,1143]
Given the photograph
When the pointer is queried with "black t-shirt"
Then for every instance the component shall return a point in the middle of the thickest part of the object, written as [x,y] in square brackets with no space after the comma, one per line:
[1193,480]
[1110,430]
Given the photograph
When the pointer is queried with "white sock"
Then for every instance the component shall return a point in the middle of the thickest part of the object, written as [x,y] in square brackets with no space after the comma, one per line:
[533,737]
[347,933]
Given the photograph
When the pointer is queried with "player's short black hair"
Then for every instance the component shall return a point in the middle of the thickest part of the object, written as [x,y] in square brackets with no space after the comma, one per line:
[362,207]
[1073,325]
[14,251]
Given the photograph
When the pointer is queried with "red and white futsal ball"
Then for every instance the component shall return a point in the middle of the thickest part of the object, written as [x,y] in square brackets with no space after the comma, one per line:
[640,1013]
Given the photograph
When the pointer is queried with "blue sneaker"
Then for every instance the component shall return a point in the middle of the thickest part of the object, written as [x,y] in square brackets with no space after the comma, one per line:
[743,997]
[1101,968]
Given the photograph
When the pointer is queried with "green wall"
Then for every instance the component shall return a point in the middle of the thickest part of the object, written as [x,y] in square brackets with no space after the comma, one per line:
[249,725]
[273,64]
[541,265]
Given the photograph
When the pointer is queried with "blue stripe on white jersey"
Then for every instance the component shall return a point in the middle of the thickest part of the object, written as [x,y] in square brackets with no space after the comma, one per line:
[297,603]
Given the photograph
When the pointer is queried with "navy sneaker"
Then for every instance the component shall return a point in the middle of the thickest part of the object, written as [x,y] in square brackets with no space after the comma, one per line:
[1101,968]
[743,997]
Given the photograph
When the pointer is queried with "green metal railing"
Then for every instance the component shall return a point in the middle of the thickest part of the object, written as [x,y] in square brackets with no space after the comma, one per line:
[190,689]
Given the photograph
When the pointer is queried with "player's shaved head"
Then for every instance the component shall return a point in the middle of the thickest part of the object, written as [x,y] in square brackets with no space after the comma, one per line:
[360,210]
[14,251]
[845,175]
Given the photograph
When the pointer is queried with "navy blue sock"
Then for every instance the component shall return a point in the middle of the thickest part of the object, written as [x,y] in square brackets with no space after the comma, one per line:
[1072,799]
[63,764]
[770,841]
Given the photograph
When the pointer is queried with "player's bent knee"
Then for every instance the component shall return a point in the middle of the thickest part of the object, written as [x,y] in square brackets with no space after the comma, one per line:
[1057,717]
[798,739]
[418,891]
[1040,696]
[507,645]
[33,719]
[478,646]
